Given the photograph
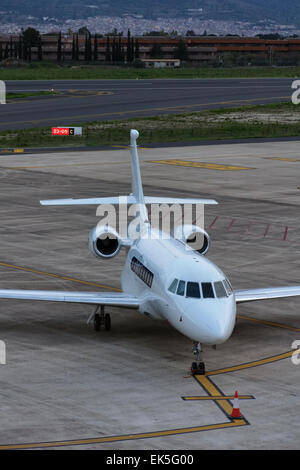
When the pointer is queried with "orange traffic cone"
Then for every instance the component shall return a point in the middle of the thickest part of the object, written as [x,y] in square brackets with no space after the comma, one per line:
[236,408]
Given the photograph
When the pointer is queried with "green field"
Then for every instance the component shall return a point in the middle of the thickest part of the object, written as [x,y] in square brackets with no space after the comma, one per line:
[274,120]
[29,94]
[45,71]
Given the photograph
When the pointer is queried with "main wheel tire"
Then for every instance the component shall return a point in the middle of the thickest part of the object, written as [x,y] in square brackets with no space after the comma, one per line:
[107,322]
[97,322]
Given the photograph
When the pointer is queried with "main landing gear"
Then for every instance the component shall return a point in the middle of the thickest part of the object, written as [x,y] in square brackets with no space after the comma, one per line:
[198,367]
[100,319]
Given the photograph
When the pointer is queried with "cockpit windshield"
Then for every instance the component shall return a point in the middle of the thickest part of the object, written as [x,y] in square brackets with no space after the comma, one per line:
[181,288]
[192,290]
[204,290]
[207,290]
[220,289]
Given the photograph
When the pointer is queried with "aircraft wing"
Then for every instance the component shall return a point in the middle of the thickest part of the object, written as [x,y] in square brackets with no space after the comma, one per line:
[113,299]
[251,295]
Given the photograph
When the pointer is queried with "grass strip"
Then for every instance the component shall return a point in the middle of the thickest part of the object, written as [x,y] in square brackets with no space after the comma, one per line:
[47,71]
[260,121]
[27,94]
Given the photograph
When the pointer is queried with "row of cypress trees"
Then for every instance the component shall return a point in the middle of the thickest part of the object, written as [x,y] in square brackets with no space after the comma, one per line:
[114,51]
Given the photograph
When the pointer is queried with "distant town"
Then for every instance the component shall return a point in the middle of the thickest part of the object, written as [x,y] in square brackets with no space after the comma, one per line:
[139,25]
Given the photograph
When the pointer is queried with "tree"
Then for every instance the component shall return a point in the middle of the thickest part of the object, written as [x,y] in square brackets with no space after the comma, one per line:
[190,32]
[74,47]
[6,51]
[20,48]
[10,47]
[83,31]
[59,48]
[113,50]
[156,51]
[88,48]
[137,49]
[129,55]
[114,33]
[96,47]
[181,51]
[107,51]
[120,57]
[40,49]
[31,37]
[77,47]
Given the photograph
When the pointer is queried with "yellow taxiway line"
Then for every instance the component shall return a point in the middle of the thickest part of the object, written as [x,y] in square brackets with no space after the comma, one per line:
[58,276]
[125,437]
[284,159]
[260,362]
[216,397]
[208,166]
[269,323]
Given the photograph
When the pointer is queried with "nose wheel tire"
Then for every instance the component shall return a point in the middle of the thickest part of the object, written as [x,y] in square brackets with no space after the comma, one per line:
[198,368]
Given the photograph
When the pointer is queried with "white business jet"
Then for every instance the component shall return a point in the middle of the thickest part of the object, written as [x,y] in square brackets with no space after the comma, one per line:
[161,278]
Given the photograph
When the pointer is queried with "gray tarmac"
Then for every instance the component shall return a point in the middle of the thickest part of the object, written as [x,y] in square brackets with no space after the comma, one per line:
[66,386]
[100,100]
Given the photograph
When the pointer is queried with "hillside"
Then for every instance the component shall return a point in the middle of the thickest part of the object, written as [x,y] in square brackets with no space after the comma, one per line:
[242,10]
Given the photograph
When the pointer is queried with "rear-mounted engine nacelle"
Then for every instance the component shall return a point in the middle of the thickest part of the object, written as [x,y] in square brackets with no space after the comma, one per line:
[195,237]
[104,242]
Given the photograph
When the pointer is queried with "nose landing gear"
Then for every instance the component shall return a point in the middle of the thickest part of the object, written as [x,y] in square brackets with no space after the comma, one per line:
[198,367]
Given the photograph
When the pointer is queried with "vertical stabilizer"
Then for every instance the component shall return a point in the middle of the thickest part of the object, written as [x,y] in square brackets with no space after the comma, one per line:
[136,180]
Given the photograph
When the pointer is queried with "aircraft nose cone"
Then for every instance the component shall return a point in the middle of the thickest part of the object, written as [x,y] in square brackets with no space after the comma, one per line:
[213,324]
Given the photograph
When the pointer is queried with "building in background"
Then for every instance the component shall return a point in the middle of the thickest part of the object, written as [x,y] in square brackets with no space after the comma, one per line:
[156,50]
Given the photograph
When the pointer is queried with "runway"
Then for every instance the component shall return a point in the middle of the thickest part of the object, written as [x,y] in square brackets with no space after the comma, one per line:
[100,100]
[66,386]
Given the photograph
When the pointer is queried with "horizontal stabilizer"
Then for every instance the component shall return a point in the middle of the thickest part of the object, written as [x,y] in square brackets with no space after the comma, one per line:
[175,200]
[92,201]
[123,199]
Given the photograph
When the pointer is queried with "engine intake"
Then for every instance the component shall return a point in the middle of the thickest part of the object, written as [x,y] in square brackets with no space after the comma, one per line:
[195,237]
[104,242]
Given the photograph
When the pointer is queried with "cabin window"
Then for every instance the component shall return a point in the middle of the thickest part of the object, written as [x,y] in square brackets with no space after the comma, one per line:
[192,290]
[181,288]
[173,286]
[207,290]
[141,271]
[220,289]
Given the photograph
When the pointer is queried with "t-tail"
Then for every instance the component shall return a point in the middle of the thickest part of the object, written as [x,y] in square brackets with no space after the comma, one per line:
[137,194]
